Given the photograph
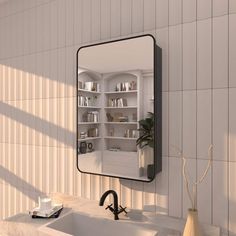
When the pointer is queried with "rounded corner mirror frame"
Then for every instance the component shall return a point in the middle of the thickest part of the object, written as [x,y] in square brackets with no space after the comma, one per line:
[157,75]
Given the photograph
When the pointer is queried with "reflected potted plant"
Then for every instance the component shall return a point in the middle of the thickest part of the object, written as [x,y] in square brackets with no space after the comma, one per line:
[146,145]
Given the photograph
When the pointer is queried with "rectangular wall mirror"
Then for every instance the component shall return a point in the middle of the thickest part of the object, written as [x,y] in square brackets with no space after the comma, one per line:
[119,108]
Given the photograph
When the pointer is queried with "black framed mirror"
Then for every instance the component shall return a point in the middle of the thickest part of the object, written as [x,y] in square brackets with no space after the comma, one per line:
[119,108]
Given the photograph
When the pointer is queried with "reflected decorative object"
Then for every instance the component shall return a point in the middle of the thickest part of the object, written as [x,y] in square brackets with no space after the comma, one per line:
[83,135]
[89,86]
[111,132]
[122,102]
[93,132]
[110,118]
[145,159]
[87,101]
[80,85]
[123,118]
[146,144]
[115,149]
[192,225]
[90,147]
[117,102]
[147,132]
[130,133]
[150,171]
[83,100]
[93,101]
[91,116]
[134,117]
[117,116]
[122,86]
[126,86]
[92,86]
[133,85]
[83,147]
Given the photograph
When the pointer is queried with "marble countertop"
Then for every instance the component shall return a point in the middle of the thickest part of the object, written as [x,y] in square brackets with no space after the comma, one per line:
[23,225]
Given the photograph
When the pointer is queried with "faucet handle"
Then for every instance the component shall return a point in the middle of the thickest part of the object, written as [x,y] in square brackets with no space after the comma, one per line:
[123,209]
[110,208]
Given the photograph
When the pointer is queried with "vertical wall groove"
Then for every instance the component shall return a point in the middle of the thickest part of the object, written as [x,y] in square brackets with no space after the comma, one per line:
[228,132]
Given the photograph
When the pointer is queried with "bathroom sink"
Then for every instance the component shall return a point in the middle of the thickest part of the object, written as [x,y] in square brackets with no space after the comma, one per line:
[80,224]
[177,225]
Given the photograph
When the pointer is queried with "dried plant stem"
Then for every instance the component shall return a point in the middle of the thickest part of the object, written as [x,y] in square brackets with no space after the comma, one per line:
[193,196]
[187,182]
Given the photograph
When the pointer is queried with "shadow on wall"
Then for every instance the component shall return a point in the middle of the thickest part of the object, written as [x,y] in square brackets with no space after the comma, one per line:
[19,184]
[52,130]
[50,65]
[48,75]
[49,129]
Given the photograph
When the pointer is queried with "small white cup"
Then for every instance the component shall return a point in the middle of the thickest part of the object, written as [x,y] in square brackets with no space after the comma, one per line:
[45,203]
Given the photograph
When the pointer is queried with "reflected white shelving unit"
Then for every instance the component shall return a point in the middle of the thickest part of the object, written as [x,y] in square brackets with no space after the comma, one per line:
[104,159]
[87,91]
[126,161]
[122,138]
[88,139]
[92,158]
[121,123]
[121,92]
[89,107]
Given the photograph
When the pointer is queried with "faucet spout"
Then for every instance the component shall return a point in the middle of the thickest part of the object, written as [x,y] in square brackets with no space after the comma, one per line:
[115,202]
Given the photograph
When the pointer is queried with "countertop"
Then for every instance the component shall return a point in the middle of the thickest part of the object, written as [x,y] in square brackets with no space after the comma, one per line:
[23,225]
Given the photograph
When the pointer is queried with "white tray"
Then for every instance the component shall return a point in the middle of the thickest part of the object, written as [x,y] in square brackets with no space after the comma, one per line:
[46,213]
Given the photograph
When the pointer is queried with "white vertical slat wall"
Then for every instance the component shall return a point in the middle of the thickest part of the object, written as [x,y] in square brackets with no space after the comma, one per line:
[38,44]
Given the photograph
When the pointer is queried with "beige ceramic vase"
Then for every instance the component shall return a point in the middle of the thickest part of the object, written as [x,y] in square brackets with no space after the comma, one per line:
[192,226]
[146,157]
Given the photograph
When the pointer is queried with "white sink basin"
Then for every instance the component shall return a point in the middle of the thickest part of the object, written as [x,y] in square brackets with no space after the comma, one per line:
[79,224]
[178,225]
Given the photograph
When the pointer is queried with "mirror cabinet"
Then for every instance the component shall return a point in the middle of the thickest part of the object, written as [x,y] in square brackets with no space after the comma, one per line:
[119,108]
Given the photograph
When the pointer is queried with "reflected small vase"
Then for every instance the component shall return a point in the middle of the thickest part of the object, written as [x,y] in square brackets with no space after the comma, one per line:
[192,225]
[146,157]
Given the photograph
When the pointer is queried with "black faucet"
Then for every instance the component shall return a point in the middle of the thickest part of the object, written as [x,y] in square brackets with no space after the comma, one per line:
[116,210]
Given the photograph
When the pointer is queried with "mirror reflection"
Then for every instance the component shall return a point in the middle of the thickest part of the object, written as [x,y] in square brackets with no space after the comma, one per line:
[115,121]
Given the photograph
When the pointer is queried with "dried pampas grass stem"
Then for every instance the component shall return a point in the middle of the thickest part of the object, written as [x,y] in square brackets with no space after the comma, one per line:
[193,196]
